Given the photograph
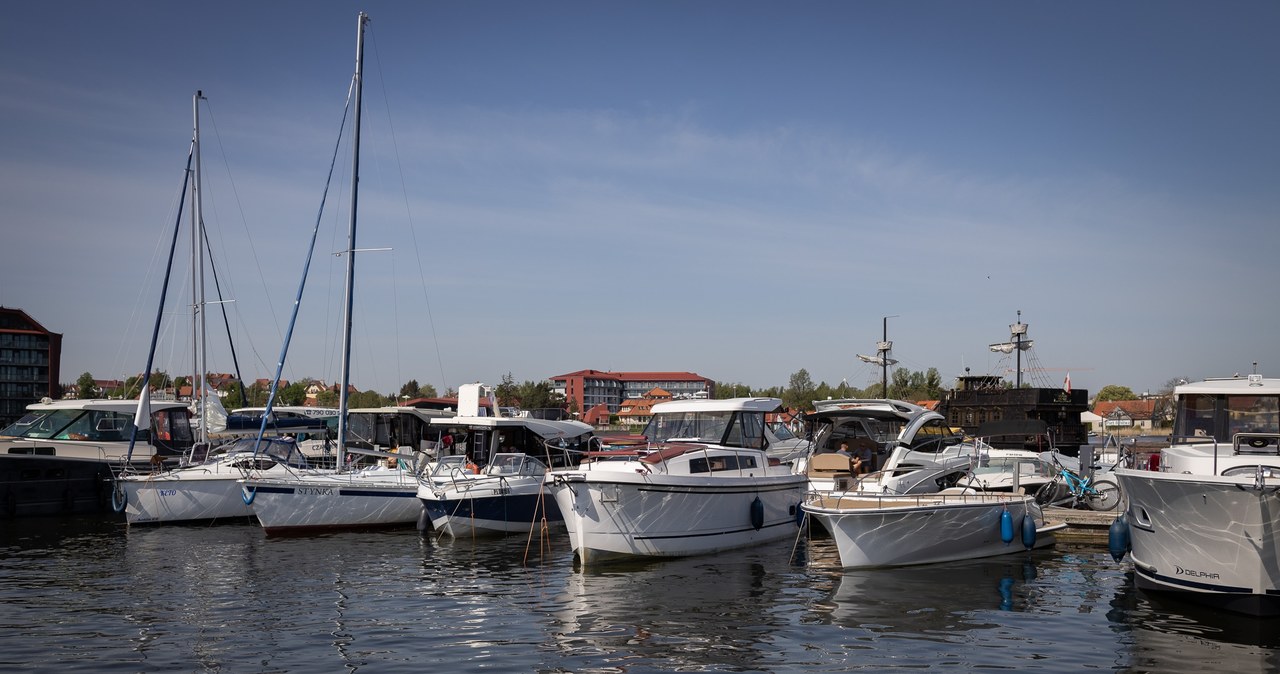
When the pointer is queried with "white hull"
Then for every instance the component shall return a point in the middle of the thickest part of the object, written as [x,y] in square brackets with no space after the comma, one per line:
[872,531]
[1210,536]
[182,496]
[616,513]
[313,502]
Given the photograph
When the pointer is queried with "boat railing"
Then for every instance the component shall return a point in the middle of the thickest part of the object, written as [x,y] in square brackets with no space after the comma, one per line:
[877,500]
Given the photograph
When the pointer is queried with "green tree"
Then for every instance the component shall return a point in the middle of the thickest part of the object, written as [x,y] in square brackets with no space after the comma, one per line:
[725,390]
[507,392]
[293,394]
[1115,392]
[538,395]
[327,398]
[800,392]
[88,388]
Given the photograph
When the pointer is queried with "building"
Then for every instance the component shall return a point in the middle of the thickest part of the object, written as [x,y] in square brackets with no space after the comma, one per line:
[1137,414]
[30,363]
[589,388]
[636,412]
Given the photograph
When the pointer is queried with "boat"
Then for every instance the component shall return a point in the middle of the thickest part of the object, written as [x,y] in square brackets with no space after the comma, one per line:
[505,493]
[1013,455]
[1201,521]
[978,399]
[356,496]
[872,530]
[912,448]
[62,455]
[701,483]
[203,486]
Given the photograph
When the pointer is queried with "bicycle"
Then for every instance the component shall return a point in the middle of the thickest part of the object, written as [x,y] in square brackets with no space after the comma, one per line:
[1069,487]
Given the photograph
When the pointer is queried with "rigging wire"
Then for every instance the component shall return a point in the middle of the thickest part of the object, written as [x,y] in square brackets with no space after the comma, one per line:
[412,231]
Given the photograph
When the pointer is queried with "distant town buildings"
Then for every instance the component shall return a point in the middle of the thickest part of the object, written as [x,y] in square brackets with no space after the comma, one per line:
[590,389]
[30,357]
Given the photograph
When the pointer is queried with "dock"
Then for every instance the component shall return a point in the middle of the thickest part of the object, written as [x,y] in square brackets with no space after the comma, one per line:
[1083,526]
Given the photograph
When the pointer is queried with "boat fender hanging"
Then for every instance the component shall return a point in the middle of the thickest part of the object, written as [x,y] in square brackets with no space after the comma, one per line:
[1118,542]
[1028,531]
[248,494]
[1006,527]
[119,498]
[757,513]
[799,513]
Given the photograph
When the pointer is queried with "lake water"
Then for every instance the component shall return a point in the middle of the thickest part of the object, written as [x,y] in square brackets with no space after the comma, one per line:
[92,595]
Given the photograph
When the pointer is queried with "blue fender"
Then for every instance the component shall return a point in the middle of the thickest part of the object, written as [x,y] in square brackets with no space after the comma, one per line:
[1028,531]
[757,514]
[1006,527]
[1118,541]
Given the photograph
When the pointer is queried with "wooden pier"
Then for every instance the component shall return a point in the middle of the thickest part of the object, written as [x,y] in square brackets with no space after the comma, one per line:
[1083,526]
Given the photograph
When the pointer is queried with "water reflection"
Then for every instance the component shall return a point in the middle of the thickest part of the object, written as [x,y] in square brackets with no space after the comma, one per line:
[1167,634]
[717,611]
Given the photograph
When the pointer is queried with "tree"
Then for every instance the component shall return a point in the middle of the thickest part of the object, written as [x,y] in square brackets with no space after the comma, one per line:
[410,389]
[538,395]
[800,393]
[293,394]
[88,388]
[725,390]
[1115,392]
[507,392]
[327,398]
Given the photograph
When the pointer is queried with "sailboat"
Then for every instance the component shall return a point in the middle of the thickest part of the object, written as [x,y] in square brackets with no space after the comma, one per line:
[205,485]
[376,496]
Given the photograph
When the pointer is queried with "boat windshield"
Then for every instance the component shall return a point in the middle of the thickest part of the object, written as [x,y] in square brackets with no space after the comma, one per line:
[781,431]
[703,426]
[73,424]
[450,465]
[1222,416]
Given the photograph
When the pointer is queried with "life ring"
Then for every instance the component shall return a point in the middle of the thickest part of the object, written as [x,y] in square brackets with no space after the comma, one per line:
[1259,443]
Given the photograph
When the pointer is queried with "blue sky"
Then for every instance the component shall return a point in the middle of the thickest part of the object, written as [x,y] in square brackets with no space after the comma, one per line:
[738,189]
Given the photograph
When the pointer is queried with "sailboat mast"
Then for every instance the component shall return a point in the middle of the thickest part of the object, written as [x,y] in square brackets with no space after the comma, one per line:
[200,343]
[343,402]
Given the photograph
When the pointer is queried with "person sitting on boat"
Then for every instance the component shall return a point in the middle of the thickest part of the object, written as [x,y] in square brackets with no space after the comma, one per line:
[855,461]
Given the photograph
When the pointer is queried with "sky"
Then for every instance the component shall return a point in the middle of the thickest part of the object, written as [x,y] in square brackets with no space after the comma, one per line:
[739,189]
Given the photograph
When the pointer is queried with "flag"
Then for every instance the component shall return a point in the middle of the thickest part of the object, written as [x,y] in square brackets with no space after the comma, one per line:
[1066,383]
[142,420]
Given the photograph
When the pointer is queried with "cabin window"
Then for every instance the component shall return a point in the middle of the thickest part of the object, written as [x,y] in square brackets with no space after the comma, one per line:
[720,463]
[1252,414]
[747,430]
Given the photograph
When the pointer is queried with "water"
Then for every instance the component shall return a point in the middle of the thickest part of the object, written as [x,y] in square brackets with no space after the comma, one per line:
[89,595]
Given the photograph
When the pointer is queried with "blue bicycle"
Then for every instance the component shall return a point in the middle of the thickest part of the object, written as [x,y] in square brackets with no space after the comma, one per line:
[1070,489]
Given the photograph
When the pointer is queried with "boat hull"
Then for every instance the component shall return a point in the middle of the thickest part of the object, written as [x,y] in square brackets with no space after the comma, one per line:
[488,506]
[872,531]
[1209,539]
[615,514]
[183,496]
[328,502]
[34,485]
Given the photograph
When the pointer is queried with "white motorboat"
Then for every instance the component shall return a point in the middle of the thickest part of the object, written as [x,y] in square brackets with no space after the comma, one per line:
[504,491]
[881,530]
[506,496]
[1204,525]
[914,449]
[1014,454]
[62,455]
[702,483]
